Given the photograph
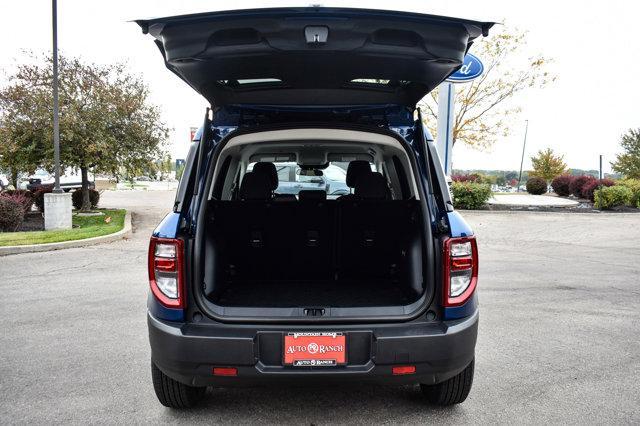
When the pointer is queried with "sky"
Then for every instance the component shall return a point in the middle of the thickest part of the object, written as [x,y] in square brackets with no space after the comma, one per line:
[593,45]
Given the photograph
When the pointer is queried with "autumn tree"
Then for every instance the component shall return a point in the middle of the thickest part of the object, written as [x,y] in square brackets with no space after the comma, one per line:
[485,108]
[547,165]
[628,163]
[106,120]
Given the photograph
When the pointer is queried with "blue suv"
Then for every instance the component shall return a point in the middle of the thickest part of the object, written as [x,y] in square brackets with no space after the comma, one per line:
[252,285]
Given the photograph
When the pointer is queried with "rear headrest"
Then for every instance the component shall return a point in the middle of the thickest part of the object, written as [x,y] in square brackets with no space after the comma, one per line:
[255,186]
[284,197]
[355,170]
[372,186]
[269,170]
[312,194]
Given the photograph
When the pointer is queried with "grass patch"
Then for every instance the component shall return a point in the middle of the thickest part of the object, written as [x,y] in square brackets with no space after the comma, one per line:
[83,227]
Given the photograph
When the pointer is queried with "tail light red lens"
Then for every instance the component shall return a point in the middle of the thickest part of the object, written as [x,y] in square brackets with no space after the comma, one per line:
[166,271]
[403,369]
[460,270]
[225,371]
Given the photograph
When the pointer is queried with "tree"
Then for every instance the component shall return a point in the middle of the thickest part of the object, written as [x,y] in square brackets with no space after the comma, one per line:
[166,167]
[547,165]
[107,123]
[17,155]
[179,171]
[485,107]
[23,148]
[510,175]
[628,163]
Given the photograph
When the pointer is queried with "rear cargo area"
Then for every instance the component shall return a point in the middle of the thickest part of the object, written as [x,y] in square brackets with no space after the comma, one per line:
[313,253]
[295,293]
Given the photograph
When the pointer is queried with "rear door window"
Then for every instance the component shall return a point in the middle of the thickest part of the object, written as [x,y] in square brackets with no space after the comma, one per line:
[187,178]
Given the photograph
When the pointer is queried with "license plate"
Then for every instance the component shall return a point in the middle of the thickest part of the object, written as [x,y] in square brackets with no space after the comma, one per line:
[322,349]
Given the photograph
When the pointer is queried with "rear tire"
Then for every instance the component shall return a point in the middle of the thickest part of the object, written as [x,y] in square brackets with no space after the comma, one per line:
[452,391]
[174,394]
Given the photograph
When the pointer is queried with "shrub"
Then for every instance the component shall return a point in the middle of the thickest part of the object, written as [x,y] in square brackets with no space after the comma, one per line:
[536,186]
[612,196]
[578,183]
[561,185]
[634,186]
[38,196]
[76,198]
[591,186]
[24,197]
[11,214]
[607,182]
[470,195]
[474,177]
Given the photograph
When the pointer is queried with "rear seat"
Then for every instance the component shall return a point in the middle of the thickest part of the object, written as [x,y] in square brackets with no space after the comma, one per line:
[313,238]
[239,227]
[374,230]
[313,242]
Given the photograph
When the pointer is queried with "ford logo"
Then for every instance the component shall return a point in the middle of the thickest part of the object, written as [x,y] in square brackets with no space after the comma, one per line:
[471,69]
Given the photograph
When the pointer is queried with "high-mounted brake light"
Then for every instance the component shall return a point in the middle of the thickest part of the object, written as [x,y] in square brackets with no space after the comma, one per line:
[166,272]
[460,270]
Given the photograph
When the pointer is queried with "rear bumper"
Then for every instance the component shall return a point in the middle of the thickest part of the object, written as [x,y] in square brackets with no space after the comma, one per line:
[188,353]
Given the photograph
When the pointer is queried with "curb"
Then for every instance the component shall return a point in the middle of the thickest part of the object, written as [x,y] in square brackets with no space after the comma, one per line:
[524,210]
[125,232]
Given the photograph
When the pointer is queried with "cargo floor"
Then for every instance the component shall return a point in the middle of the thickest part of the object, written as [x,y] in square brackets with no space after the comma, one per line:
[281,294]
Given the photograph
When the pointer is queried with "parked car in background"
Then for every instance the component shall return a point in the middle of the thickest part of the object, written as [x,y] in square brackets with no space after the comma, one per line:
[71,179]
[4,181]
[251,284]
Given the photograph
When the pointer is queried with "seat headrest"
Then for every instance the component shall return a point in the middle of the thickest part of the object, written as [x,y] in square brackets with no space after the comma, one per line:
[255,186]
[284,197]
[372,186]
[355,170]
[269,170]
[312,195]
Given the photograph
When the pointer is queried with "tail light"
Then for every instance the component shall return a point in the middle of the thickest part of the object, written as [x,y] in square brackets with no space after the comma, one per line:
[166,271]
[460,270]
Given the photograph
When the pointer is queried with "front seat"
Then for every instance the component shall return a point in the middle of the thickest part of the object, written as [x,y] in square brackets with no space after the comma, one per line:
[268,170]
[255,187]
[372,186]
[356,169]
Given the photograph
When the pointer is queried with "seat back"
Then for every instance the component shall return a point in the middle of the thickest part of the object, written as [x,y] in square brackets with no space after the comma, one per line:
[373,236]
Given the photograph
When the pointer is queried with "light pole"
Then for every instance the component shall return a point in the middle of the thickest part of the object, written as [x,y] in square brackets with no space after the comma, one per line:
[56,123]
[524,144]
[57,204]
[600,166]
[446,100]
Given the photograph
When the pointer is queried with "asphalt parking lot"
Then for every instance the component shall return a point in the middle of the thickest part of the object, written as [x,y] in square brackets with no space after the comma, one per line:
[559,334]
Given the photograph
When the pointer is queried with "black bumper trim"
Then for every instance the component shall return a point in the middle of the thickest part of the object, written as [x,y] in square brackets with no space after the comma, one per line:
[188,354]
